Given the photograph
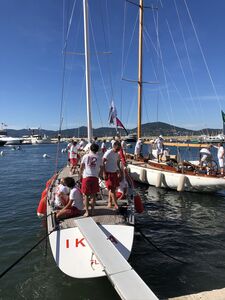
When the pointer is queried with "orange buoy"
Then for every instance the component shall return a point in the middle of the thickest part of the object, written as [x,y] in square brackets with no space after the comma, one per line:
[138,204]
[42,207]
[41,210]
[50,181]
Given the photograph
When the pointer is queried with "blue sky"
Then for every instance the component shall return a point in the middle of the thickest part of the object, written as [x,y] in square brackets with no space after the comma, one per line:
[186,66]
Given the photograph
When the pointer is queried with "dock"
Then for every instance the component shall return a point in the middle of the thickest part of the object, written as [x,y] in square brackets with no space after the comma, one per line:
[208,295]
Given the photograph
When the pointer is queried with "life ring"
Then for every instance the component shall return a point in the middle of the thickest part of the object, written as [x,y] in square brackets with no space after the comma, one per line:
[138,204]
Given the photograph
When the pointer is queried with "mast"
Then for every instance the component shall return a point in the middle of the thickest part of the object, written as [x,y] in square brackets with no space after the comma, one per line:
[140,68]
[87,70]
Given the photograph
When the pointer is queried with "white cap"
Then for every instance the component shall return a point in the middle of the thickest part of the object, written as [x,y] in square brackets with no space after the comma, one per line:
[160,136]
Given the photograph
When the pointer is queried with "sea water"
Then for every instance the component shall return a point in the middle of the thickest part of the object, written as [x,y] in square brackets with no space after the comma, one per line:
[188,227]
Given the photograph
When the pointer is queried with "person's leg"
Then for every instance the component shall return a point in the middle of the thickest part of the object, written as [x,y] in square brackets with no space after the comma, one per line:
[114,199]
[86,204]
[93,199]
[110,199]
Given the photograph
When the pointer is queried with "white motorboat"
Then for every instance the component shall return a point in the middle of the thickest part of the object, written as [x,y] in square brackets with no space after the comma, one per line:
[8,140]
[212,138]
[38,139]
[11,140]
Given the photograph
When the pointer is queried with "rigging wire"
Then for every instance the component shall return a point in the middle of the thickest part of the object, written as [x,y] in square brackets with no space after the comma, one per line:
[69,25]
[164,76]
[97,104]
[148,240]
[61,101]
[70,66]
[203,56]
[166,71]
[156,22]
[188,58]
[181,67]
[25,254]
[96,53]
[131,40]
[109,45]
[123,39]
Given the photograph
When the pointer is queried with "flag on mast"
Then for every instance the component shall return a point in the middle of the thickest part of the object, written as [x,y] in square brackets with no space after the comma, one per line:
[120,124]
[112,113]
[113,118]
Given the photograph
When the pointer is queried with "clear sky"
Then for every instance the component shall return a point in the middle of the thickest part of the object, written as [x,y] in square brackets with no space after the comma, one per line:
[186,66]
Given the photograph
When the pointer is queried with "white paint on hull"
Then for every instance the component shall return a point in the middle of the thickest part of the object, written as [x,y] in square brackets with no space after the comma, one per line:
[193,183]
[75,258]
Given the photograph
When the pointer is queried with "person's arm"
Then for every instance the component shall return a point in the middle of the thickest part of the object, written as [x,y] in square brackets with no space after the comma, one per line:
[82,166]
[103,168]
[100,171]
[68,205]
[119,171]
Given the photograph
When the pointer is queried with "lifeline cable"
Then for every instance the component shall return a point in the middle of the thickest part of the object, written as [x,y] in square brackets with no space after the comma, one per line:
[24,255]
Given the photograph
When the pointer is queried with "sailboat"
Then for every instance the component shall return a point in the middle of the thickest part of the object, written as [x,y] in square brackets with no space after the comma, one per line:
[89,247]
[172,174]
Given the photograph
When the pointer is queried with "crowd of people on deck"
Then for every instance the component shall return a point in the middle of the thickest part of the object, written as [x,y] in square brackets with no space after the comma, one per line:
[94,163]
[109,164]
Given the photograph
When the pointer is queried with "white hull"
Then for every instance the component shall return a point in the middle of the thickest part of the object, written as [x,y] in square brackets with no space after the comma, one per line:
[75,258]
[40,141]
[12,140]
[176,181]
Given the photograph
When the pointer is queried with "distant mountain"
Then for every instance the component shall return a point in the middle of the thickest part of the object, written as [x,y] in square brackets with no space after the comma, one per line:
[148,129]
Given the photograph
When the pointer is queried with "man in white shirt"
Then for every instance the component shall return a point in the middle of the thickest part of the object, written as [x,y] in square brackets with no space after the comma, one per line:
[91,165]
[159,147]
[112,172]
[205,156]
[103,146]
[61,195]
[81,145]
[137,149]
[220,156]
[113,141]
[73,155]
[74,206]
[124,147]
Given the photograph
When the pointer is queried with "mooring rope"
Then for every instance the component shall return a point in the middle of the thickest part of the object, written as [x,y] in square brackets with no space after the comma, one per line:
[157,248]
[24,255]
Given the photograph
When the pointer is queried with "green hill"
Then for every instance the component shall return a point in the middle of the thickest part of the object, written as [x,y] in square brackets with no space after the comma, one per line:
[148,129]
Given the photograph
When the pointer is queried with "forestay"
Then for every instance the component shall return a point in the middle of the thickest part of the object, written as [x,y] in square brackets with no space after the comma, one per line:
[126,281]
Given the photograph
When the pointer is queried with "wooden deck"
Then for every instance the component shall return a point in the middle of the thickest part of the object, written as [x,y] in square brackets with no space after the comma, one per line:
[101,214]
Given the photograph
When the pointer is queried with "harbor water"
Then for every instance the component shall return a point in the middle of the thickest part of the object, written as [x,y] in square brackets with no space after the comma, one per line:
[179,245]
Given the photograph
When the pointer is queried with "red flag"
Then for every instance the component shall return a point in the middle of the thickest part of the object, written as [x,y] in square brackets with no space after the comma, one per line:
[119,124]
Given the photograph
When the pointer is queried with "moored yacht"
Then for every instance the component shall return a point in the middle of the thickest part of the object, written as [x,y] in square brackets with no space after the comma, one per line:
[8,140]
[38,139]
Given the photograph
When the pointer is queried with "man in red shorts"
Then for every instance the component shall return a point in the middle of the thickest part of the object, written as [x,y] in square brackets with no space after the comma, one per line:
[73,155]
[90,168]
[112,172]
